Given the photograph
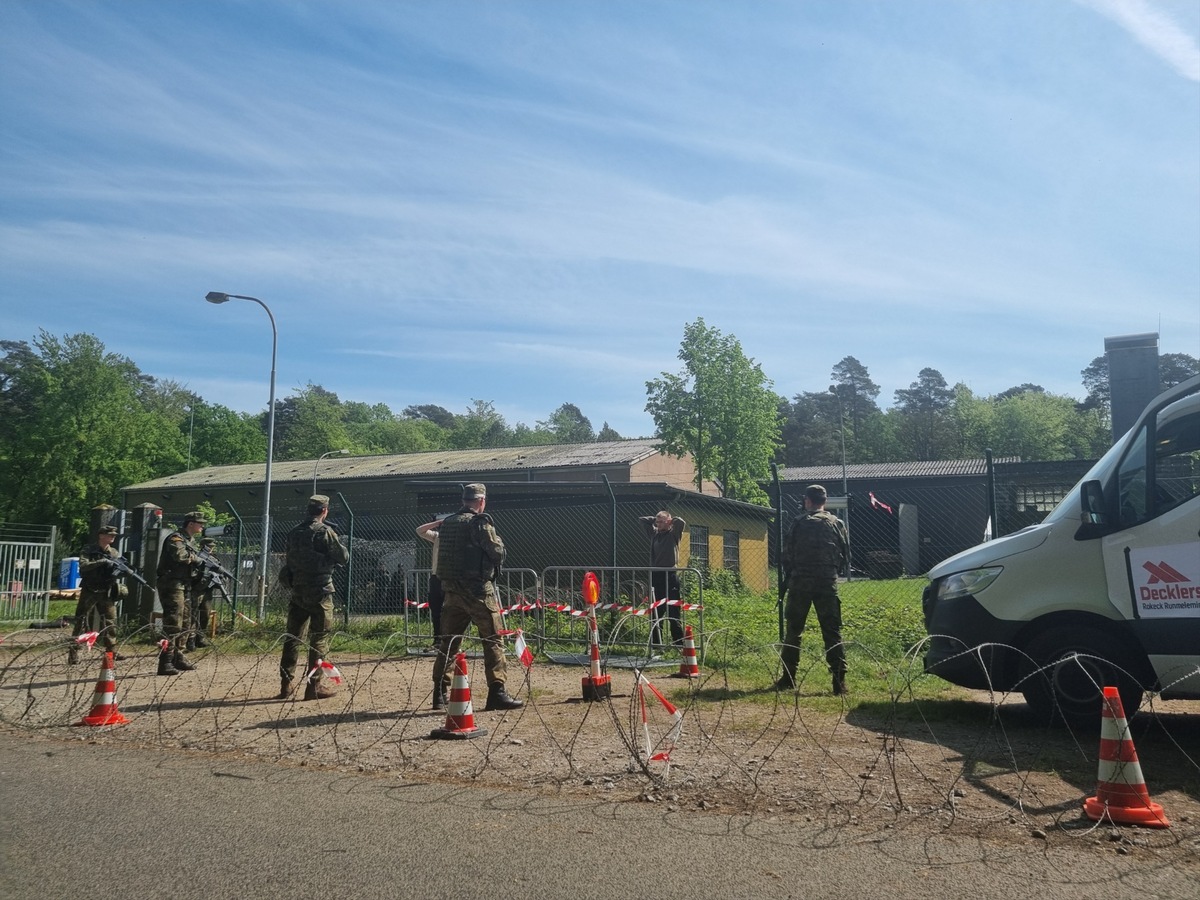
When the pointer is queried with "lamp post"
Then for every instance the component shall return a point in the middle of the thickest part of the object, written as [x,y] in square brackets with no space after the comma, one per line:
[217,297]
[318,462]
[842,431]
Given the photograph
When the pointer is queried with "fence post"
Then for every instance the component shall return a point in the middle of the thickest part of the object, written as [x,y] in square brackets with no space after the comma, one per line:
[237,564]
[350,564]
[779,585]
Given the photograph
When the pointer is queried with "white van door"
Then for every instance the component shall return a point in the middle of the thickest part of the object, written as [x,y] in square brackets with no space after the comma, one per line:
[1152,563]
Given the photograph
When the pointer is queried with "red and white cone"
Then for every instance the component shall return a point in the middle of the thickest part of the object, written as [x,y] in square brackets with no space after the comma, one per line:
[688,666]
[104,707]
[460,716]
[1121,795]
[595,685]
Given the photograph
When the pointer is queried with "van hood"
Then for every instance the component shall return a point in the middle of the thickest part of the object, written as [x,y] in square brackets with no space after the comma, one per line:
[992,552]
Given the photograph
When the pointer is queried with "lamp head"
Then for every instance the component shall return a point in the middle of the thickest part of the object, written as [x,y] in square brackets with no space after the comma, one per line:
[216,297]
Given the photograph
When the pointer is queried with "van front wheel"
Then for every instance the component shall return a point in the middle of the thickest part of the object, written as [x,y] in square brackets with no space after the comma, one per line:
[1067,670]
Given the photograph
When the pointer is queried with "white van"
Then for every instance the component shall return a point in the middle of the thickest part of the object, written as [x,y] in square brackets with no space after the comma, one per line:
[1104,591]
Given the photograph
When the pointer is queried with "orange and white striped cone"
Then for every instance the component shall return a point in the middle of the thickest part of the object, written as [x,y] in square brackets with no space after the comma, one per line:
[460,716]
[104,707]
[1121,795]
[595,685]
[688,666]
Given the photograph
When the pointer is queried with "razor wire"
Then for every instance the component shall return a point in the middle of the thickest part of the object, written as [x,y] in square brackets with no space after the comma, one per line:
[722,741]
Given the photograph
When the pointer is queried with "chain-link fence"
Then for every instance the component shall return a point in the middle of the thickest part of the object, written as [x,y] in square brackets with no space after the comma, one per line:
[896,535]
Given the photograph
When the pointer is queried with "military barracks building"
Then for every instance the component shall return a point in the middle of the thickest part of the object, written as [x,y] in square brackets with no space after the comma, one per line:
[558,505]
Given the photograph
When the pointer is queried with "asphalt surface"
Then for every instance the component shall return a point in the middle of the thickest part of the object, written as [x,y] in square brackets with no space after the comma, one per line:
[83,818]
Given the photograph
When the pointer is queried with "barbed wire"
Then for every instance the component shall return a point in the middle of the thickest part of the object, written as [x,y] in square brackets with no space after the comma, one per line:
[723,740]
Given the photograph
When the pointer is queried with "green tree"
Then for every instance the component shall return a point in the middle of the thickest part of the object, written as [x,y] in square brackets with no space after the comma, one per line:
[481,427]
[809,430]
[310,423]
[607,433]
[219,436]
[859,408]
[567,425]
[77,430]
[1176,368]
[924,427]
[721,409]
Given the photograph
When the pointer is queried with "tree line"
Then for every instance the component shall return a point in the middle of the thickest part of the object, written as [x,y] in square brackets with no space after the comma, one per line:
[80,423]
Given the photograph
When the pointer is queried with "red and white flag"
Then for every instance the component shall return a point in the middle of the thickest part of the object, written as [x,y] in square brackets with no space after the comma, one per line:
[88,638]
[524,654]
[671,739]
[877,503]
[329,672]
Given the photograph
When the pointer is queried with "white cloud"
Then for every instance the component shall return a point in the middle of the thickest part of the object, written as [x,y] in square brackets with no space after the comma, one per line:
[1156,31]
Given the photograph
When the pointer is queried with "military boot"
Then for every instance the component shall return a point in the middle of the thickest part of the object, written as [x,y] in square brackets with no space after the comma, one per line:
[786,682]
[285,689]
[166,664]
[439,697]
[315,690]
[202,642]
[191,643]
[73,655]
[498,698]
[839,684]
[181,662]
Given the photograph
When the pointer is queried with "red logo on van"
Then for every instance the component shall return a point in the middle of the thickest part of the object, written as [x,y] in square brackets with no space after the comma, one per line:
[1161,572]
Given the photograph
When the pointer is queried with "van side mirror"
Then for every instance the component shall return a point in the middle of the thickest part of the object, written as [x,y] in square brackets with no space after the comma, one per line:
[1093,514]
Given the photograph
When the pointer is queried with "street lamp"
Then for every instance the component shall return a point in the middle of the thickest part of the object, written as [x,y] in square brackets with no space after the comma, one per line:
[318,462]
[842,431]
[217,297]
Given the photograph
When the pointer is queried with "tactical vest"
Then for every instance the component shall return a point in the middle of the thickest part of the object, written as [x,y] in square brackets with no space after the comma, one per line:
[815,546]
[303,558]
[102,577]
[459,553]
[170,566]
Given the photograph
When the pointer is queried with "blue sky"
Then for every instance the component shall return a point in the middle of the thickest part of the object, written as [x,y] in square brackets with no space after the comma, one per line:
[525,202]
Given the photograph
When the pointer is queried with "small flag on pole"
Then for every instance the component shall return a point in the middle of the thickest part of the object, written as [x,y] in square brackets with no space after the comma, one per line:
[877,503]
[524,654]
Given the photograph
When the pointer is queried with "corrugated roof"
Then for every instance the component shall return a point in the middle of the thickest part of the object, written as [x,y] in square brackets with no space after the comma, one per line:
[924,468]
[411,465]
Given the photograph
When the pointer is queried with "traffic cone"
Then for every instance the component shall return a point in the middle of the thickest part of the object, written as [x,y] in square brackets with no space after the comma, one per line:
[1121,795]
[688,666]
[104,707]
[460,717]
[595,685]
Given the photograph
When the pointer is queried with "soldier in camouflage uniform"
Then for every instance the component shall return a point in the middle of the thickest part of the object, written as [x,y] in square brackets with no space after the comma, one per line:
[98,590]
[470,554]
[201,607]
[176,567]
[814,555]
[314,550]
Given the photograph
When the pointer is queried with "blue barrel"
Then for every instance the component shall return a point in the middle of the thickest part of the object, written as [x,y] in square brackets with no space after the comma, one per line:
[68,574]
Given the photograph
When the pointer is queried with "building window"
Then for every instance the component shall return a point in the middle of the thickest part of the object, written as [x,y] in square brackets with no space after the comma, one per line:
[731,552]
[698,547]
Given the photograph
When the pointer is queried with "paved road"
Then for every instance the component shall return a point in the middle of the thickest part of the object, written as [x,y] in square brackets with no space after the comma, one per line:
[80,818]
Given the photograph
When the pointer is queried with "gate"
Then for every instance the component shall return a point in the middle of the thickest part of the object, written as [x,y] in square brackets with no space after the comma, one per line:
[26,570]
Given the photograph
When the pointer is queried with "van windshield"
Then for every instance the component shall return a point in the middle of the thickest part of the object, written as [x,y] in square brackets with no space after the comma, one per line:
[1177,425]
[1068,508]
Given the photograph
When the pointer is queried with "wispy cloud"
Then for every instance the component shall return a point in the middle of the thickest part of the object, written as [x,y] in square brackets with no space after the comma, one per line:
[1156,31]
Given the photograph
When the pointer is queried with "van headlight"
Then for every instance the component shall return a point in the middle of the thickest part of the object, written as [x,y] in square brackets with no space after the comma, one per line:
[967,584]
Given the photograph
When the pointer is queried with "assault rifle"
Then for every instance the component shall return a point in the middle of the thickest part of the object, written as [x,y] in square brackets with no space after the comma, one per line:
[121,567]
[212,572]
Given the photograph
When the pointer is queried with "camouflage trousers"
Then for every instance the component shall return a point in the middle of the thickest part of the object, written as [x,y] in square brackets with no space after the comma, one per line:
[309,621]
[804,594]
[104,604]
[173,595]
[468,603]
